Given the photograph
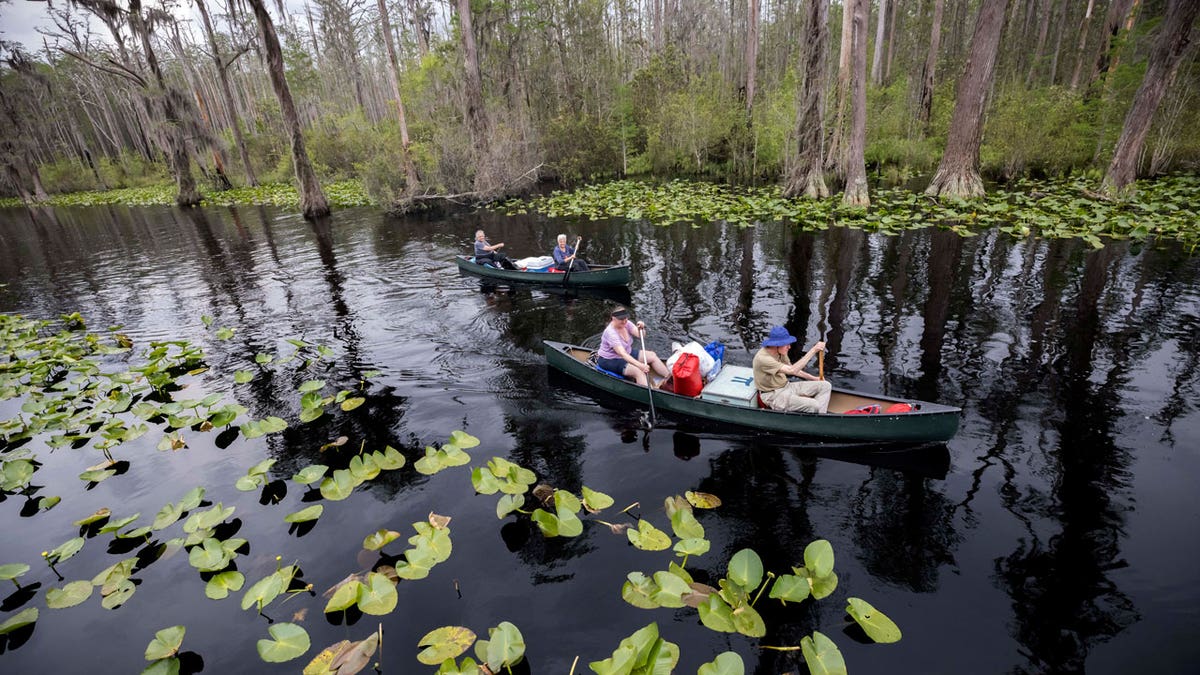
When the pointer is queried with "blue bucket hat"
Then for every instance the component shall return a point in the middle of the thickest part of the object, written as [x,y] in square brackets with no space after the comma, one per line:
[778,337]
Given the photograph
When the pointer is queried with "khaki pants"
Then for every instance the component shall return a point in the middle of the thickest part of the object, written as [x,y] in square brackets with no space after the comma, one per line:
[802,396]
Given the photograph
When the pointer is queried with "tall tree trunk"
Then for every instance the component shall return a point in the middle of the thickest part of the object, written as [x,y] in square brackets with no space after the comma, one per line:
[1060,22]
[856,168]
[958,173]
[173,136]
[227,94]
[1174,35]
[807,175]
[1045,8]
[312,198]
[420,26]
[412,180]
[925,99]
[476,114]
[751,52]
[836,160]
[891,41]
[1081,50]
[877,59]
[1118,14]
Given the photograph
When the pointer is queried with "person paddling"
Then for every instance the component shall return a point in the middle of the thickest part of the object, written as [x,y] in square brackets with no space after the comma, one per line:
[772,367]
[564,257]
[617,354]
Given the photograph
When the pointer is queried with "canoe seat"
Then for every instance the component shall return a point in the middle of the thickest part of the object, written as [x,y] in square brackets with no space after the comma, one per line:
[759,401]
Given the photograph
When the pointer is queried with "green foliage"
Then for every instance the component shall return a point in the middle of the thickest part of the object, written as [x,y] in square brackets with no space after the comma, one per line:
[1040,130]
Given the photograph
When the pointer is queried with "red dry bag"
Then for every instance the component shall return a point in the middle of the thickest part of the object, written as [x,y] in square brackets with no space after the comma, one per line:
[686,373]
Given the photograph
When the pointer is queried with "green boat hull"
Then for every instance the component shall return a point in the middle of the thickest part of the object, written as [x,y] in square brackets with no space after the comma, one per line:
[928,423]
[596,277]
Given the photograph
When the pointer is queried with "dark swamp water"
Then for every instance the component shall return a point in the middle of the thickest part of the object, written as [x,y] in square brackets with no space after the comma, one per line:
[1057,532]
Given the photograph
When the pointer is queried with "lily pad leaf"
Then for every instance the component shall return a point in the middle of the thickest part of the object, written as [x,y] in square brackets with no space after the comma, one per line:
[165,644]
[352,403]
[726,663]
[702,500]
[818,558]
[19,620]
[163,667]
[99,515]
[243,376]
[377,596]
[12,571]
[221,585]
[447,642]
[875,623]
[304,515]
[505,647]
[339,486]
[344,597]
[822,656]
[70,595]
[65,550]
[380,538]
[463,440]
[790,588]
[746,569]
[310,474]
[289,642]
[508,504]
[647,537]
[595,501]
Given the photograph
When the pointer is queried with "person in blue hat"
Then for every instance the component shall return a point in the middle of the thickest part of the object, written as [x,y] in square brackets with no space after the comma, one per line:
[772,367]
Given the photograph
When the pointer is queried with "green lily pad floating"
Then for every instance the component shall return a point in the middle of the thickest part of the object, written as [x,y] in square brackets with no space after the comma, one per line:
[339,486]
[310,474]
[380,538]
[464,440]
[389,459]
[163,667]
[121,593]
[818,558]
[344,595]
[377,596]
[289,642]
[65,550]
[243,376]
[114,525]
[165,644]
[790,588]
[821,655]
[505,647]
[508,504]
[352,403]
[594,501]
[268,588]
[70,595]
[11,571]
[96,517]
[746,569]
[305,515]
[256,476]
[447,642]
[874,623]
[47,503]
[311,386]
[642,652]
[19,620]
[647,537]
[221,585]
[726,663]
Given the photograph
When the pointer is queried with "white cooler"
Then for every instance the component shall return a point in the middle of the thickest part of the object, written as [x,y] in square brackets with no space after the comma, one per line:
[733,385]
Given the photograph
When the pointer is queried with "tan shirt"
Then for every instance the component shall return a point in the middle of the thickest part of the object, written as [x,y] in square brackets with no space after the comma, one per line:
[767,373]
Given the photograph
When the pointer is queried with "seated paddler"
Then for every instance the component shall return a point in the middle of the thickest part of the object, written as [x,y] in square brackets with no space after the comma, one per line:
[565,257]
[772,366]
[617,353]
[486,252]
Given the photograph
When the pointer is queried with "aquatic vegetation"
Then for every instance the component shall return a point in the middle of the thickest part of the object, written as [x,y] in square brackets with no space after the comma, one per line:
[726,663]
[1062,208]
[339,194]
[642,652]
[72,398]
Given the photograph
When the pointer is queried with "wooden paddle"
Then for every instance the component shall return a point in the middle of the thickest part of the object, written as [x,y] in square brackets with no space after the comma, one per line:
[571,265]
[821,365]
[649,388]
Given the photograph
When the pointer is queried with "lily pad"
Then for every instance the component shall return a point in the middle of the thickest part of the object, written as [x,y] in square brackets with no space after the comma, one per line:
[310,474]
[289,642]
[19,620]
[447,642]
[377,596]
[166,643]
[221,585]
[304,515]
[70,595]
[12,571]
[647,537]
[821,655]
[874,623]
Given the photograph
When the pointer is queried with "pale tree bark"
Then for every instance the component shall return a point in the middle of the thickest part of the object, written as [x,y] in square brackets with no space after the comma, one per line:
[1169,47]
[877,59]
[856,167]
[751,52]
[312,199]
[420,22]
[807,174]
[174,144]
[476,114]
[227,94]
[836,159]
[958,173]
[929,70]
[1081,50]
[412,180]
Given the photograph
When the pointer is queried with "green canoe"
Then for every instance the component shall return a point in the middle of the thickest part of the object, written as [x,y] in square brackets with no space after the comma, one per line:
[597,275]
[926,423]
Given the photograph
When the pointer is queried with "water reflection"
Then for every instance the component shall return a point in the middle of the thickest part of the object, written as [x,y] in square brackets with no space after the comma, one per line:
[1077,369]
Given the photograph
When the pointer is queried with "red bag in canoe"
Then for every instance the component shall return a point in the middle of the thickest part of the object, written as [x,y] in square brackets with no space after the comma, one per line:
[686,373]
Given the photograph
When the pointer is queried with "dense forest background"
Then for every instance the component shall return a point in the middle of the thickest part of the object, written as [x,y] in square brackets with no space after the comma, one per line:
[437,98]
